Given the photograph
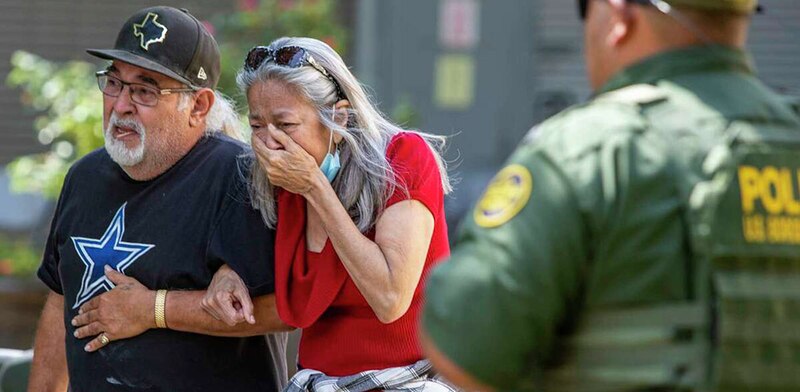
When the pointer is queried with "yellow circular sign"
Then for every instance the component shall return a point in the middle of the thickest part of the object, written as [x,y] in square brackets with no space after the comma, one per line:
[505,197]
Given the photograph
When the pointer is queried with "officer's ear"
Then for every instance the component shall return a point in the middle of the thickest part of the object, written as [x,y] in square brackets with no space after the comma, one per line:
[622,21]
[200,105]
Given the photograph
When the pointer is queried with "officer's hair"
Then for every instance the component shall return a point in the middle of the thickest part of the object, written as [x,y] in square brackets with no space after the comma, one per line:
[365,180]
[716,20]
[222,116]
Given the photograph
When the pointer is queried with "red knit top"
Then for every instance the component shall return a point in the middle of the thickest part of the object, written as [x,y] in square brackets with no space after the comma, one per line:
[341,334]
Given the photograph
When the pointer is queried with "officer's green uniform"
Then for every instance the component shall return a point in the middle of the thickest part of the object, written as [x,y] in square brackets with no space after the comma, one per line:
[647,239]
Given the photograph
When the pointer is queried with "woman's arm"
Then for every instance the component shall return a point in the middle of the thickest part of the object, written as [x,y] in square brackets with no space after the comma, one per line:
[387,270]
[184,314]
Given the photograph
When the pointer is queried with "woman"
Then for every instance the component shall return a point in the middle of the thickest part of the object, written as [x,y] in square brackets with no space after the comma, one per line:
[358,208]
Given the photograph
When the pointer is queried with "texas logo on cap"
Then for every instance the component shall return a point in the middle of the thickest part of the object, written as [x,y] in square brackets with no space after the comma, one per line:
[149,31]
[190,55]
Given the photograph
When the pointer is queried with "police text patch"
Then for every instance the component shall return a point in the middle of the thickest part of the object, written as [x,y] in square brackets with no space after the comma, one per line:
[770,197]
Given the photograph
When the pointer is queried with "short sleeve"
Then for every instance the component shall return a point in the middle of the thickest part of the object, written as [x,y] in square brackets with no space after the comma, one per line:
[243,242]
[495,306]
[416,171]
[48,271]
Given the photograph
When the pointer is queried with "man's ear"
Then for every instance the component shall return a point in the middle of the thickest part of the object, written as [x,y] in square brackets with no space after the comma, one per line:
[622,22]
[201,105]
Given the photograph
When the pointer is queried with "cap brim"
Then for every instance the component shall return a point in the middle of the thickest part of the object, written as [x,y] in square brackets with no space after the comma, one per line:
[139,61]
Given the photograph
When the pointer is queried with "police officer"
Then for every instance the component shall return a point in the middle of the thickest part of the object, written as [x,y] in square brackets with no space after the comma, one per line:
[648,239]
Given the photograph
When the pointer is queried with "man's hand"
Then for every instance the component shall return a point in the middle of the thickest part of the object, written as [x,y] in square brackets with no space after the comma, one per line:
[124,312]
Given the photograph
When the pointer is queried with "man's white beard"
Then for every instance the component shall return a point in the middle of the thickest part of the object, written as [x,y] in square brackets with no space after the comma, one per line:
[117,149]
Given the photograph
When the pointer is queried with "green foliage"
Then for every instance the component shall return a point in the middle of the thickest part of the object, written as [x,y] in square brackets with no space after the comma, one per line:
[261,22]
[70,120]
[405,114]
[17,258]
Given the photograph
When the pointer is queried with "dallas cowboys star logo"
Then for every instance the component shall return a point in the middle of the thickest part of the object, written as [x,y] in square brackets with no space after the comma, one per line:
[149,31]
[108,250]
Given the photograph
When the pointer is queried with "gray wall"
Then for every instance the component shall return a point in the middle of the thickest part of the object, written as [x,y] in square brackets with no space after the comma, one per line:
[406,47]
[775,45]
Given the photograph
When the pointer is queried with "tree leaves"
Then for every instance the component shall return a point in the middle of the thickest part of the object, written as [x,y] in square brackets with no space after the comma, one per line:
[69,120]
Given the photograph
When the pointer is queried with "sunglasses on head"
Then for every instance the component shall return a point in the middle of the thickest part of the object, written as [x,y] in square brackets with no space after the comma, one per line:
[288,56]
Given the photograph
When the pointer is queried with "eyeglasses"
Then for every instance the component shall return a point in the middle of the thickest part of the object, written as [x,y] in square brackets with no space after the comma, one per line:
[288,56]
[140,93]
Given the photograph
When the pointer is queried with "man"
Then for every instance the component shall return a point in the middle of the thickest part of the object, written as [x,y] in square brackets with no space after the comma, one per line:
[164,204]
[646,240]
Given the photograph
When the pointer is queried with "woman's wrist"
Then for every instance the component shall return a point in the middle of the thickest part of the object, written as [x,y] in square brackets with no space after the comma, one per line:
[319,186]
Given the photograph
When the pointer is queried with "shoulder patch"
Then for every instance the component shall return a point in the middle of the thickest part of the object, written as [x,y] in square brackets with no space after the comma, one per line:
[506,196]
[637,94]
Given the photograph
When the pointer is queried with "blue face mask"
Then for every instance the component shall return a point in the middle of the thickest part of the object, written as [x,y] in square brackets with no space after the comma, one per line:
[330,165]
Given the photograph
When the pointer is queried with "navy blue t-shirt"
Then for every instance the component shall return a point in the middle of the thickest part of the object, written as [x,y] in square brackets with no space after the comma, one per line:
[172,232]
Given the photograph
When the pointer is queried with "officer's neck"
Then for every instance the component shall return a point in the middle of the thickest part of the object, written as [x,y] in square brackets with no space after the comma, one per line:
[650,42]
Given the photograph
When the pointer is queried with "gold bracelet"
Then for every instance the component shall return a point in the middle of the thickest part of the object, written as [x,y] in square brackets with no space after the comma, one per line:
[161,305]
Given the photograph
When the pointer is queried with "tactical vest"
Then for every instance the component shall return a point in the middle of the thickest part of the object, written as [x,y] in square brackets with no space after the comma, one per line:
[741,332]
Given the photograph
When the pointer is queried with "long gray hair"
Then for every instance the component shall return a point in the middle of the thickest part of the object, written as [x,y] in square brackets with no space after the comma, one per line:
[221,117]
[366,179]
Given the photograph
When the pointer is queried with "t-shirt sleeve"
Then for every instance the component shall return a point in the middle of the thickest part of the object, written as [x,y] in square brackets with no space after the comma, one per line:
[416,172]
[243,242]
[495,306]
[48,271]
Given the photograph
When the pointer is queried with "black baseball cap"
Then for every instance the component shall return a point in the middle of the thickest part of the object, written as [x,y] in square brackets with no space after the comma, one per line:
[169,41]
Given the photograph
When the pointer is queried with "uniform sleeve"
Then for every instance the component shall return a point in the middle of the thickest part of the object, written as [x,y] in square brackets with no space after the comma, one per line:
[416,171]
[243,242]
[495,306]
[48,271]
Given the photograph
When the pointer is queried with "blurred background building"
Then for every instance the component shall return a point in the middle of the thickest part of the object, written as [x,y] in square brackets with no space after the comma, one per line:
[481,71]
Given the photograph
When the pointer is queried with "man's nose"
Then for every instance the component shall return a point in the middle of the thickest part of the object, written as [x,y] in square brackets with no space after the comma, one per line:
[123,103]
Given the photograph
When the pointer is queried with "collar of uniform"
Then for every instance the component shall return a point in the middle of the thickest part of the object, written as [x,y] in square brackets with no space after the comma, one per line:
[681,61]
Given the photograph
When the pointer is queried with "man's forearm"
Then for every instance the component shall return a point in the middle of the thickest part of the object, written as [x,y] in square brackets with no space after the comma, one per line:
[184,313]
[49,367]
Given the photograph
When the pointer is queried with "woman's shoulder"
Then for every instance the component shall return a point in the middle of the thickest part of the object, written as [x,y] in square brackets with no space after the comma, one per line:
[405,138]
[407,145]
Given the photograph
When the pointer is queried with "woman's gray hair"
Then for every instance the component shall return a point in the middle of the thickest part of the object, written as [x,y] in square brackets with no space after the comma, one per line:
[222,117]
[366,179]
